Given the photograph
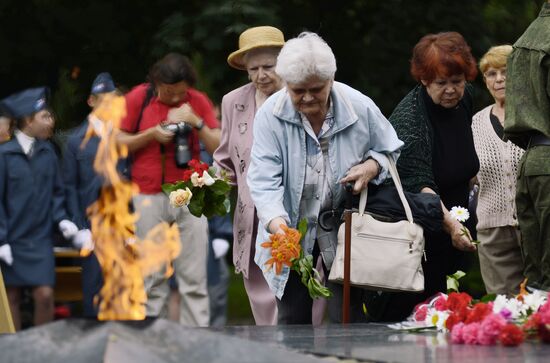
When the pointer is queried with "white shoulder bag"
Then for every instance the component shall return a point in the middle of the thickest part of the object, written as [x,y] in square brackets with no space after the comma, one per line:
[384,255]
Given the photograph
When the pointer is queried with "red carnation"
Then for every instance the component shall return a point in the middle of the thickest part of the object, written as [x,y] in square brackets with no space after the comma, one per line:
[453,320]
[480,311]
[458,300]
[198,166]
[511,335]
[187,174]
[194,163]
[530,328]
[463,313]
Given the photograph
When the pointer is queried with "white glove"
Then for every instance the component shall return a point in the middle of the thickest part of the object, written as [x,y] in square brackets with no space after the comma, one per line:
[68,228]
[83,239]
[220,247]
[5,254]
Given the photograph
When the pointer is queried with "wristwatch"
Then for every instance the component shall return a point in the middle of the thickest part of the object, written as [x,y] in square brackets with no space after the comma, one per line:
[199,125]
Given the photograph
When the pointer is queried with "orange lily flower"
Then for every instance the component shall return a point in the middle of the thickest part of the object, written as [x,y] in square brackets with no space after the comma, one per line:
[285,248]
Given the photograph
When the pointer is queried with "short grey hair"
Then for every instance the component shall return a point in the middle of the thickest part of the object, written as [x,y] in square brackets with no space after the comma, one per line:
[306,56]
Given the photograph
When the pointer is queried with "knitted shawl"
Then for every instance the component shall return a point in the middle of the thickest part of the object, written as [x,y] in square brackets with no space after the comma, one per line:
[410,121]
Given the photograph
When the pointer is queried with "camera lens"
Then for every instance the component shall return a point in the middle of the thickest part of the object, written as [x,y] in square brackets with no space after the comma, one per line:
[182,150]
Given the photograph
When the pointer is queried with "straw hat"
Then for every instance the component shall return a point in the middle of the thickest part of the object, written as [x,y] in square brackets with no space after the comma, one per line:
[258,37]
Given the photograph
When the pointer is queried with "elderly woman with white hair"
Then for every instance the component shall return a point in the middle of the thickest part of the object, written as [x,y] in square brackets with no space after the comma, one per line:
[310,139]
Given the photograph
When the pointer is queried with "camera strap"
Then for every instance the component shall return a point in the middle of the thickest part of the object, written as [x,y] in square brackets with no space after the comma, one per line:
[149,93]
[146,100]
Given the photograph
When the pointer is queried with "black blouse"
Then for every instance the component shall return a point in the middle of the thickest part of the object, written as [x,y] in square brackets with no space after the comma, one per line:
[454,159]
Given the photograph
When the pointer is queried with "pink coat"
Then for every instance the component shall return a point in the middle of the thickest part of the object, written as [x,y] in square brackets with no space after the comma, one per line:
[233,155]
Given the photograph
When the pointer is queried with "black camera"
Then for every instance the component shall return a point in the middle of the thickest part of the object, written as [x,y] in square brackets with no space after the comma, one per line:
[181,132]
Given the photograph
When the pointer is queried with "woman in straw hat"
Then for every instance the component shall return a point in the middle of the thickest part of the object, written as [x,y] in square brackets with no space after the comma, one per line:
[257,54]
[309,140]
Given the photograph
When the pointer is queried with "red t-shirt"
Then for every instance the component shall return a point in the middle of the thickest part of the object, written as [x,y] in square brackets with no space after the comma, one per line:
[147,162]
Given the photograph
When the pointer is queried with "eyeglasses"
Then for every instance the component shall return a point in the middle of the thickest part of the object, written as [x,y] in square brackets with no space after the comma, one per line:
[493,73]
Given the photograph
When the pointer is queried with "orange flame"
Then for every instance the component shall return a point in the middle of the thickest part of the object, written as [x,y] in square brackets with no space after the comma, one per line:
[124,260]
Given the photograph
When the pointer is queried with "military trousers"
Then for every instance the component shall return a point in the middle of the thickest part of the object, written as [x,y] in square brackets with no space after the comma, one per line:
[533,208]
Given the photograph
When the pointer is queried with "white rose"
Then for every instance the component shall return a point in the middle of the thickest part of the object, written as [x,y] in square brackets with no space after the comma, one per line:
[200,181]
[196,180]
[207,179]
[180,197]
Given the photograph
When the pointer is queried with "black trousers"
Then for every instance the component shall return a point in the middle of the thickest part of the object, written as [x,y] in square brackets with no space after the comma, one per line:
[295,307]
[442,260]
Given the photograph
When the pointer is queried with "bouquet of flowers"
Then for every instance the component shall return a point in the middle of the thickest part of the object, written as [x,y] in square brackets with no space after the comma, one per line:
[200,190]
[286,250]
[508,321]
[461,214]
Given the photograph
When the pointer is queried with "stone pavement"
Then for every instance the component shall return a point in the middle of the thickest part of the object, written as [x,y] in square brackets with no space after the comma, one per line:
[79,340]
[378,343]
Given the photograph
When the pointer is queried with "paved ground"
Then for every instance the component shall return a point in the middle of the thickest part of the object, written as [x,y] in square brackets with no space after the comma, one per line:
[159,341]
[372,342]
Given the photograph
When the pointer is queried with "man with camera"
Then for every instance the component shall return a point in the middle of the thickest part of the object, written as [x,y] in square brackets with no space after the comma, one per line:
[166,121]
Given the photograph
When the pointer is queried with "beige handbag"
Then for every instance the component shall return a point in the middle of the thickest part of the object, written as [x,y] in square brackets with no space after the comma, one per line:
[384,255]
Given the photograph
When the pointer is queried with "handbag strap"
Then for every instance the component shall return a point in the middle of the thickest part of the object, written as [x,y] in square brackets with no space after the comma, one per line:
[397,181]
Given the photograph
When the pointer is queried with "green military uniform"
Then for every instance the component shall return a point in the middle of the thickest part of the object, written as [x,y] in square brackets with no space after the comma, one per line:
[528,125]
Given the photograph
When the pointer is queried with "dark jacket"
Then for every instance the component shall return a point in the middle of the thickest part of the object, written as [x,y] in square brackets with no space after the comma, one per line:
[31,204]
[82,184]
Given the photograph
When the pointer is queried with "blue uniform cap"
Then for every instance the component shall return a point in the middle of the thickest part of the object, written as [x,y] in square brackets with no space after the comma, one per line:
[103,83]
[27,102]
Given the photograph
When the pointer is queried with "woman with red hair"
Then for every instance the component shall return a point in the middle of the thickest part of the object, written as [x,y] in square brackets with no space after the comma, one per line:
[434,120]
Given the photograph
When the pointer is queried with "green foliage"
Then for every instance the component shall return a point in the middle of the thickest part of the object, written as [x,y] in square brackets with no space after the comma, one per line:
[302,227]
[238,305]
[452,281]
[66,100]
[304,266]
[206,200]
[372,40]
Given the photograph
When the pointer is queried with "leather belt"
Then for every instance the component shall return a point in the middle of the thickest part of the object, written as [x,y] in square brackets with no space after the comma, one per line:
[539,139]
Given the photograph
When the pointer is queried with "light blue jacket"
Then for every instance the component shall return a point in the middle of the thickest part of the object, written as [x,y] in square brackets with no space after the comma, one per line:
[278,158]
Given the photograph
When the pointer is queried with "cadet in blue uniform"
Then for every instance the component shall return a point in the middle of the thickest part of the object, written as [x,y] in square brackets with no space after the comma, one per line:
[82,186]
[5,126]
[31,204]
